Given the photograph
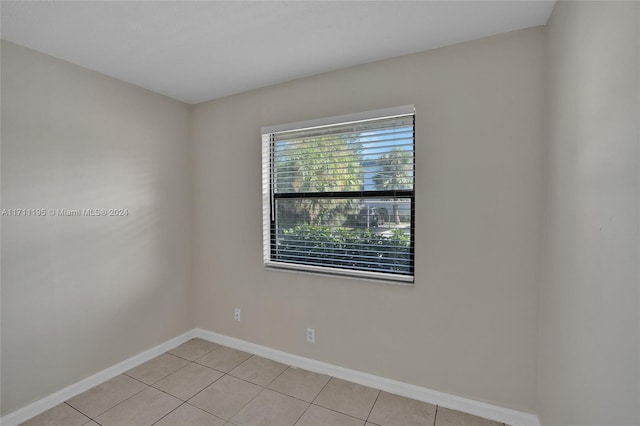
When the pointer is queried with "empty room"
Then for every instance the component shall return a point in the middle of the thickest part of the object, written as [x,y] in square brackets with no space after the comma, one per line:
[320,213]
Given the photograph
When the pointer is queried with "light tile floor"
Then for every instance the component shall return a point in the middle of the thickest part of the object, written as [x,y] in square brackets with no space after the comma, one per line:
[200,383]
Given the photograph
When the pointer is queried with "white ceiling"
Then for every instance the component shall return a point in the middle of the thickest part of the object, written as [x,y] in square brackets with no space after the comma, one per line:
[197,51]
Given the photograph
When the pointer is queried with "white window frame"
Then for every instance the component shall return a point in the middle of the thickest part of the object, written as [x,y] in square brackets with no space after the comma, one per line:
[268,201]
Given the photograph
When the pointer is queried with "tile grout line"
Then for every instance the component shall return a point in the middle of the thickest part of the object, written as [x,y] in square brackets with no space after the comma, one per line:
[183,402]
[224,373]
[194,360]
[280,374]
[311,403]
[344,414]
[208,412]
[264,387]
[374,404]
[74,408]
[126,399]
[219,378]
[435,416]
[339,412]
[146,387]
[199,392]
[325,385]
[247,403]
[167,393]
[198,408]
[331,409]
[283,393]
[229,373]
[290,396]
[303,413]
[256,384]
[302,400]
[121,402]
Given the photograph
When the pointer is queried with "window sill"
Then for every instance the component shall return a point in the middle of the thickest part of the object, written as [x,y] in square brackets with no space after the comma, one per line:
[402,280]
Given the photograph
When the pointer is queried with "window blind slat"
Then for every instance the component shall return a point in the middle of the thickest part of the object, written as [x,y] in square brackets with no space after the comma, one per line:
[377,139]
[352,259]
[378,125]
[373,254]
[346,265]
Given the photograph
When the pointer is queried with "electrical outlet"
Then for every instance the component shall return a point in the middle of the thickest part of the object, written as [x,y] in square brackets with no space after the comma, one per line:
[311,335]
[236,314]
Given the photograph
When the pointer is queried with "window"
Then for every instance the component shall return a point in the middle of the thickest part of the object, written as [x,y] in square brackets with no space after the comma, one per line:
[338,195]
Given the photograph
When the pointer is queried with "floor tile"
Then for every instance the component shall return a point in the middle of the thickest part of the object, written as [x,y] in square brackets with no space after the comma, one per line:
[188,415]
[225,397]
[347,397]
[299,383]
[447,417]
[188,381]
[107,395]
[270,408]
[157,368]
[61,414]
[258,370]
[318,416]
[223,359]
[143,409]
[394,410]
[193,349]
[91,423]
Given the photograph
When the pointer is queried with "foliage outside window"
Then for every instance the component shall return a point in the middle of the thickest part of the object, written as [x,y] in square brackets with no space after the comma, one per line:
[338,195]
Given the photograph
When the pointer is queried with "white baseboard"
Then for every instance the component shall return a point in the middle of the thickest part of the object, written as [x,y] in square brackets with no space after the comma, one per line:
[42,405]
[487,411]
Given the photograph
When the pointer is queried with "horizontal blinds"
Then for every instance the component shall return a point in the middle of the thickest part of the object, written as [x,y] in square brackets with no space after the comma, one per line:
[339,197]
[356,233]
[371,155]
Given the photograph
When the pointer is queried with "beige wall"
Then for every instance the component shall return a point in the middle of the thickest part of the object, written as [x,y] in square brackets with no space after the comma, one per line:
[469,326]
[80,294]
[589,344]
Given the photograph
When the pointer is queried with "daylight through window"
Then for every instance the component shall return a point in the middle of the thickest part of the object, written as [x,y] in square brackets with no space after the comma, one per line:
[338,195]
